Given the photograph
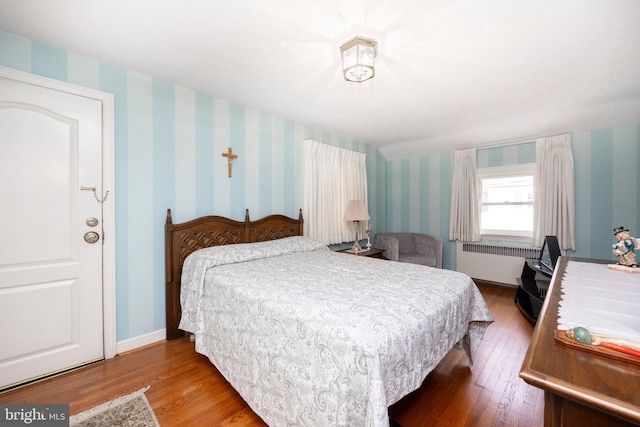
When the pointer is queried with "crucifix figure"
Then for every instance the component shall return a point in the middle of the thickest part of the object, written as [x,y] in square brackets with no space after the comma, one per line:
[230,157]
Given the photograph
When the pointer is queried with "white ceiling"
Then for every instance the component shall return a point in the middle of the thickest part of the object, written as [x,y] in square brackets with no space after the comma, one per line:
[449,74]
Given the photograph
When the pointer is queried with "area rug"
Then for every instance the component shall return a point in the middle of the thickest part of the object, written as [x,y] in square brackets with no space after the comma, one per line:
[132,410]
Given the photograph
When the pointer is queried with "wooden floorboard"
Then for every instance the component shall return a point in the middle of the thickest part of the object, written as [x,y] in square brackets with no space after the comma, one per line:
[187,390]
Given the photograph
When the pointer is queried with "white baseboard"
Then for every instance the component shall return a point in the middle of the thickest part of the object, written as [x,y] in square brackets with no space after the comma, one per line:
[140,341]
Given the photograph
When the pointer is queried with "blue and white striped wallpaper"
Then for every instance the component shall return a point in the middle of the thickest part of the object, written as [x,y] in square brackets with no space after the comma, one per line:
[607,185]
[169,140]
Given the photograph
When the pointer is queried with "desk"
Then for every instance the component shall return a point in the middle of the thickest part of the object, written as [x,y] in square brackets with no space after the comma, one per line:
[580,389]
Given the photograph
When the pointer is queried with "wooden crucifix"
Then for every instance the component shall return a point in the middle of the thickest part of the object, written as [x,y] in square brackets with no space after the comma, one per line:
[230,157]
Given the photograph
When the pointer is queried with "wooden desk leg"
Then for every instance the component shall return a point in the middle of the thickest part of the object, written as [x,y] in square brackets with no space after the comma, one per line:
[552,410]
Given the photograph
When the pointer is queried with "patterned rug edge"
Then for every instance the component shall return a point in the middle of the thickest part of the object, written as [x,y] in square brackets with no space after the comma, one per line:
[107,406]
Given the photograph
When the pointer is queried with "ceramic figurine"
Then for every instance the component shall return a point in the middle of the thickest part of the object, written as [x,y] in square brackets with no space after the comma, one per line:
[625,247]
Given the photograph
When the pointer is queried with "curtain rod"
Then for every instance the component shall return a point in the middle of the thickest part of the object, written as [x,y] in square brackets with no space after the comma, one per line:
[509,142]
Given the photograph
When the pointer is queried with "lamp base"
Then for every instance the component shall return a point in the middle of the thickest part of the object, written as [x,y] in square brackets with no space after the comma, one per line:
[356,243]
[356,247]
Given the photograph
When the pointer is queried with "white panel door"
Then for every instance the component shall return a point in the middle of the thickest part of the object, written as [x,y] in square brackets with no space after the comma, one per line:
[51,307]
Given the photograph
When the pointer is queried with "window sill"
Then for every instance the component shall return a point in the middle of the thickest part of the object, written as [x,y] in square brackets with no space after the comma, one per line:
[507,237]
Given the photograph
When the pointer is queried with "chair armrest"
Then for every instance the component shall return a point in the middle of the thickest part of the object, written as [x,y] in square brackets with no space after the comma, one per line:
[390,246]
[430,246]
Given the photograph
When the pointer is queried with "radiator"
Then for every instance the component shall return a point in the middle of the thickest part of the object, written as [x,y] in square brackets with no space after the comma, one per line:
[495,263]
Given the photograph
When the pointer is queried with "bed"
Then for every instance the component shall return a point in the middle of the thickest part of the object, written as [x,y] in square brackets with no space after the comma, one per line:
[309,336]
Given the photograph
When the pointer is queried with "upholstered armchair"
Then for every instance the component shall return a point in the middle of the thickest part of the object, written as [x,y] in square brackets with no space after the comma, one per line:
[414,248]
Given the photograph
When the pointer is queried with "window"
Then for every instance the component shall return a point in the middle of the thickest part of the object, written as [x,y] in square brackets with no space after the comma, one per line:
[506,200]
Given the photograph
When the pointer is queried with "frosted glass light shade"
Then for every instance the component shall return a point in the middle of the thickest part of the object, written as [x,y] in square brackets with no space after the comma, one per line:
[358,59]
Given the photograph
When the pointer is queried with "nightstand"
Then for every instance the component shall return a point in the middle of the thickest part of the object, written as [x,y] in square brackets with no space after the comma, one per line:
[371,253]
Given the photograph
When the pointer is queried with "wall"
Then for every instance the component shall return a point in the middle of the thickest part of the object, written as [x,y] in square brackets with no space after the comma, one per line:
[168,146]
[607,189]
[169,140]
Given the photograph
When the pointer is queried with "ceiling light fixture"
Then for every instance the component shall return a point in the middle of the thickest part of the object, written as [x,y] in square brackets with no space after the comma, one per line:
[357,59]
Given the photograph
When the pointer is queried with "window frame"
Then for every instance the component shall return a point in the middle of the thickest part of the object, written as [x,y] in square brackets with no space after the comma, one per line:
[523,169]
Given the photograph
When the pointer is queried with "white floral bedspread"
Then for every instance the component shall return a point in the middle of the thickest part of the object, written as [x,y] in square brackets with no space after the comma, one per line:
[310,337]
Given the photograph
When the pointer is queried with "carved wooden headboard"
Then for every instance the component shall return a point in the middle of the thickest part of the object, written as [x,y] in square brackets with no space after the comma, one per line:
[187,237]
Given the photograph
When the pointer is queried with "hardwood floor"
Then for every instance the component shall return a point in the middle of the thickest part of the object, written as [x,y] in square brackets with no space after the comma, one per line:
[187,390]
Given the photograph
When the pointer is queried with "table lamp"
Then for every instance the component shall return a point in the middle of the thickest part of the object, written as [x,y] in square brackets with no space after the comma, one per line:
[356,212]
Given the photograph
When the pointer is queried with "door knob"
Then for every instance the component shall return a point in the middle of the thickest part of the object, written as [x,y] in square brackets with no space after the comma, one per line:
[91,237]
[92,222]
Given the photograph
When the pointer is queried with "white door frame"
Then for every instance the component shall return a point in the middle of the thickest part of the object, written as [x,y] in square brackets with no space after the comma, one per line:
[108,177]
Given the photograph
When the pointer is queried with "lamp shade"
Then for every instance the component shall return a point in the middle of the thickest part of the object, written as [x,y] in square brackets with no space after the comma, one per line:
[358,59]
[356,211]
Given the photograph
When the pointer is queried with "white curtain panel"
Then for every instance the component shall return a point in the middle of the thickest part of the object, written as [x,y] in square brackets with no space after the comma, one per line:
[332,177]
[554,192]
[464,220]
